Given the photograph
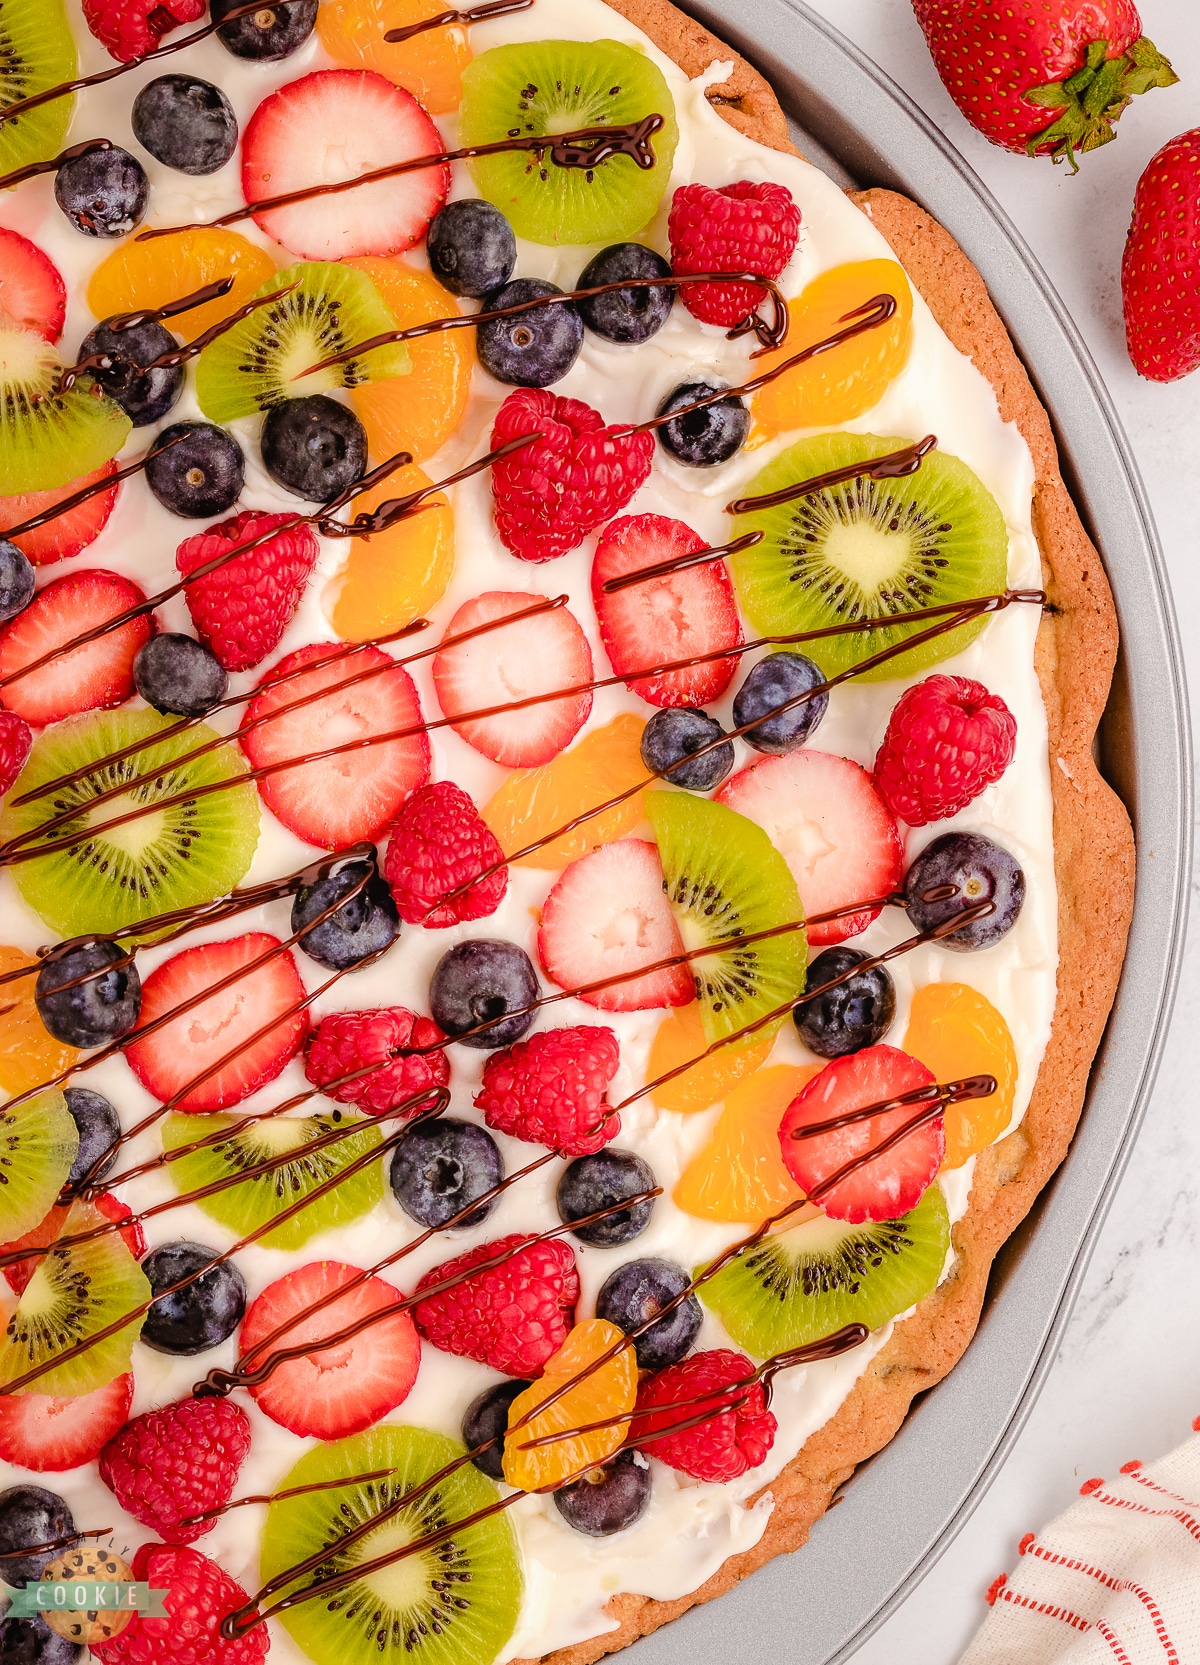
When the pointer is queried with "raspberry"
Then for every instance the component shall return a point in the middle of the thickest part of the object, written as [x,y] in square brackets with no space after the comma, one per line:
[723,1445]
[181,1461]
[513,1317]
[740,228]
[199,1595]
[16,737]
[946,740]
[439,842]
[242,609]
[130,28]
[347,1041]
[551,493]
[550,1089]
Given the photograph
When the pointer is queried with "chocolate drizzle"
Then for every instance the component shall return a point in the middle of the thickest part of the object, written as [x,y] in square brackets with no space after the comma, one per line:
[65,505]
[443,20]
[33,169]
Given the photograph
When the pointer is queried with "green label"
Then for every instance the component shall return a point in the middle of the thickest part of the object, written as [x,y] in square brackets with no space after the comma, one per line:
[86,1595]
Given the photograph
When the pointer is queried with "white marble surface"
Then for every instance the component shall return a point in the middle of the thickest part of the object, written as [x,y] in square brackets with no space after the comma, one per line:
[1127,1380]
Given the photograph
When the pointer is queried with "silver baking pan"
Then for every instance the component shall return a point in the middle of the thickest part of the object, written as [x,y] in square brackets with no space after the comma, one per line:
[901,1510]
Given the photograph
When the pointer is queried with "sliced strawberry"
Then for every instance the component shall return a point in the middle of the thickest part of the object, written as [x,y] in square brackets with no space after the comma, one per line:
[87,678]
[608,915]
[837,835]
[32,292]
[332,1391]
[499,667]
[50,1435]
[335,801]
[679,616]
[891,1184]
[19,1273]
[222,1024]
[338,124]
[69,533]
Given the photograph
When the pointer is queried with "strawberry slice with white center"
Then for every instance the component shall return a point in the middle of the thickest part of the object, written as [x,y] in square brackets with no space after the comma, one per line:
[333,125]
[88,678]
[67,534]
[357,793]
[339,1390]
[833,829]
[514,662]
[32,292]
[890,1184]
[49,1435]
[681,615]
[607,916]
[221,1025]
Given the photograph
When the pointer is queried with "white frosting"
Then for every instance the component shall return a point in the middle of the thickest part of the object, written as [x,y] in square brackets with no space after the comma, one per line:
[691,1527]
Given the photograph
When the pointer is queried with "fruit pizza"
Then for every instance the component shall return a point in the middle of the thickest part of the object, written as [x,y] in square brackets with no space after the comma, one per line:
[557,904]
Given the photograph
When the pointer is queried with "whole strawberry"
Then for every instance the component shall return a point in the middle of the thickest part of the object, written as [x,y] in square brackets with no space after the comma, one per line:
[242,608]
[736,1437]
[345,1042]
[1042,77]
[131,28]
[745,227]
[168,1466]
[199,1594]
[440,842]
[947,739]
[1160,273]
[550,1089]
[513,1316]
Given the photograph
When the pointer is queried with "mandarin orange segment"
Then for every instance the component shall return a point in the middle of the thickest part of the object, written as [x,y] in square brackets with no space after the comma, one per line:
[955,1031]
[681,1036]
[533,802]
[420,411]
[398,575]
[29,1054]
[842,383]
[428,65]
[138,275]
[608,1392]
[739,1176]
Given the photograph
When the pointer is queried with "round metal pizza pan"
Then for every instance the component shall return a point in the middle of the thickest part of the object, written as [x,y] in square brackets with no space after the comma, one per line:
[901,1510]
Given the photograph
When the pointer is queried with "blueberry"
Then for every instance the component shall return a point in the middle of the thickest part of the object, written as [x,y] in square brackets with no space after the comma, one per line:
[486,1419]
[637,1291]
[179,676]
[774,681]
[609,1498]
[365,925]
[274,32]
[202,475]
[103,193]
[675,734]
[533,348]
[201,1316]
[442,1165]
[99,1129]
[314,447]
[855,1014]
[972,869]
[626,314]
[32,1642]
[591,1183]
[31,1515]
[708,436]
[144,395]
[481,981]
[185,123]
[17,580]
[471,247]
[97,1008]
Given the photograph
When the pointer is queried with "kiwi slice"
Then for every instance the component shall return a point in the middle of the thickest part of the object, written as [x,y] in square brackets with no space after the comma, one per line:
[73,1294]
[455,1604]
[36,52]
[869,549]
[800,1285]
[724,878]
[38,1143]
[46,437]
[186,853]
[256,364]
[555,86]
[246,1207]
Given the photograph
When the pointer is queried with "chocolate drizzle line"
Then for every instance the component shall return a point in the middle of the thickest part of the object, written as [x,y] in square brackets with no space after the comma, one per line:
[66,504]
[215,291]
[33,169]
[473,14]
[585,147]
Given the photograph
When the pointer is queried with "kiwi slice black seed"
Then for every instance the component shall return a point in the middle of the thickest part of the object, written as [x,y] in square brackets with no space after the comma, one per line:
[38,1144]
[869,549]
[36,52]
[801,1285]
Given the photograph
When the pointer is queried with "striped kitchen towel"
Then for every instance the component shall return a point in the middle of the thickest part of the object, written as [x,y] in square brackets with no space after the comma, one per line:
[1113,1581]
